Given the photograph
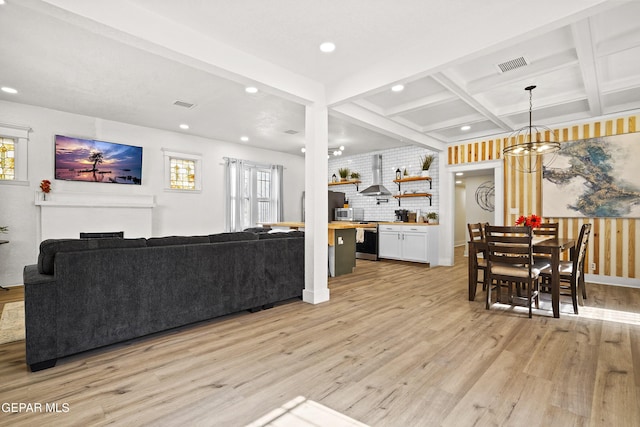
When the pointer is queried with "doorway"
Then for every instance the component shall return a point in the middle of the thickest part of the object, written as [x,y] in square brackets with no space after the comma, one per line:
[495,167]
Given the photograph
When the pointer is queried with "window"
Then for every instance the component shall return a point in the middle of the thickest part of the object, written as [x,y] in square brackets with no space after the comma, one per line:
[263,195]
[7,158]
[13,154]
[254,194]
[183,174]
[182,171]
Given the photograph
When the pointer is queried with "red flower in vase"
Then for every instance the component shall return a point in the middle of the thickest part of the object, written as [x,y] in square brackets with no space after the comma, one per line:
[45,186]
[532,220]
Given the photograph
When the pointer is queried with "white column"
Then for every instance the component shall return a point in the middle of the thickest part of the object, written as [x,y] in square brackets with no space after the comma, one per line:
[316,204]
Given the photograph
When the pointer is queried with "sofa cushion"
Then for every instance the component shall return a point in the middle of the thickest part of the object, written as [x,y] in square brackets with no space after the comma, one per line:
[50,247]
[232,237]
[281,235]
[176,240]
[257,229]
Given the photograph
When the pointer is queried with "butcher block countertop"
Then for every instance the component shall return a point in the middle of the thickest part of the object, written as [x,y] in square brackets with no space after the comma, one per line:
[331,227]
[334,225]
[339,225]
[405,223]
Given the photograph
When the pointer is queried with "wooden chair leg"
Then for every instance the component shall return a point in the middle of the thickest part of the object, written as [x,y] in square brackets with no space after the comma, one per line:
[574,296]
[488,299]
[584,288]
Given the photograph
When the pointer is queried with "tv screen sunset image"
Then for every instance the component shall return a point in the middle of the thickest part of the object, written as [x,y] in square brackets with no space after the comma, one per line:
[97,161]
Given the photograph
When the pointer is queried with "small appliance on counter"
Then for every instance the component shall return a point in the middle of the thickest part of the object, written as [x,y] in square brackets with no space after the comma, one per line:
[349,214]
[402,215]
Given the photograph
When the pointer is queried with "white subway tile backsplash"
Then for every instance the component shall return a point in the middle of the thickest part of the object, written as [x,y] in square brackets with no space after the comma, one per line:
[392,159]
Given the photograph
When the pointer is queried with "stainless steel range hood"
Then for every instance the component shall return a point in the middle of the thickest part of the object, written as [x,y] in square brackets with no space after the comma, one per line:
[376,188]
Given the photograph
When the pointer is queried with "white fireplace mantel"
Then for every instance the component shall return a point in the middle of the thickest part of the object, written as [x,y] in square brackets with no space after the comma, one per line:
[66,215]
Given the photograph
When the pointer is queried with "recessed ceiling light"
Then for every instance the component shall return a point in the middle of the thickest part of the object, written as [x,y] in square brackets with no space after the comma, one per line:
[9,89]
[465,127]
[327,47]
[459,173]
[1,1]
[304,150]
[184,126]
[244,138]
[397,88]
[251,89]
[458,182]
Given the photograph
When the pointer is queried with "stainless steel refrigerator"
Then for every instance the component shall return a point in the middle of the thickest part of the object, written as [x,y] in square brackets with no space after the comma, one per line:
[336,200]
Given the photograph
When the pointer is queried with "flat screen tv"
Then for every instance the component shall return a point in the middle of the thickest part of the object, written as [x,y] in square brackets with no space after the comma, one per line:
[97,161]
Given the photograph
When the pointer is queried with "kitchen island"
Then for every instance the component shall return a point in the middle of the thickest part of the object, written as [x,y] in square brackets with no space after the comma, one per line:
[342,243]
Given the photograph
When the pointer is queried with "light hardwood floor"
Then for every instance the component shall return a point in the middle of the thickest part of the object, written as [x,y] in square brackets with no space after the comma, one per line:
[398,344]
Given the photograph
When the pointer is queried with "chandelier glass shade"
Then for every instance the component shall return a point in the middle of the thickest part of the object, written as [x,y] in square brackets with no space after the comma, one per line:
[532,147]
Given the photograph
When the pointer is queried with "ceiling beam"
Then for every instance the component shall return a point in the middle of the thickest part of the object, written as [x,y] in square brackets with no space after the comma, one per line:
[621,84]
[469,100]
[454,122]
[365,118]
[427,101]
[622,42]
[546,65]
[583,41]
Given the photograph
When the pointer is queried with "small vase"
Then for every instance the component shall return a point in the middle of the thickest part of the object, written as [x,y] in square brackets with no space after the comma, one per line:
[44,197]
[424,174]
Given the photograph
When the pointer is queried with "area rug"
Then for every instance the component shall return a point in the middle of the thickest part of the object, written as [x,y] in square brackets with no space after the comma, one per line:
[12,322]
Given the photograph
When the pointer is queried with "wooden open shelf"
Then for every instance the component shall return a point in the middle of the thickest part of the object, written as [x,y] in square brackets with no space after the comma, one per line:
[413,178]
[349,181]
[400,196]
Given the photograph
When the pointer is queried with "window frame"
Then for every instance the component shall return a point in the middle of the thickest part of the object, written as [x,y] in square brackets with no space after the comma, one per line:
[195,157]
[20,136]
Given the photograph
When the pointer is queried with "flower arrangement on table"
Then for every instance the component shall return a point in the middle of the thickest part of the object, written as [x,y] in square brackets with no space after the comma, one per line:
[45,186]
[533,221]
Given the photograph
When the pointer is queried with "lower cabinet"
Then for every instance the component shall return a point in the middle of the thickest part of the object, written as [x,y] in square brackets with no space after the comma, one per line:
[418,243]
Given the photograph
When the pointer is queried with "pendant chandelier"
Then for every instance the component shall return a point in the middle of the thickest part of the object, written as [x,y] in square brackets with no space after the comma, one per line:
[535,146]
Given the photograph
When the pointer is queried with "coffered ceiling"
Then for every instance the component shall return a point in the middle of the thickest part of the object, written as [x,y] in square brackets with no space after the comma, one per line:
[461,63]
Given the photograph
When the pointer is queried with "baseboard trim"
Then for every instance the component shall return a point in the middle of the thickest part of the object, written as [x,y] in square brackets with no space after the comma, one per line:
[612,280]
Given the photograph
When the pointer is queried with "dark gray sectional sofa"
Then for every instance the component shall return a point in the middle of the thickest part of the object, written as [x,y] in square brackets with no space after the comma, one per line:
[88,293]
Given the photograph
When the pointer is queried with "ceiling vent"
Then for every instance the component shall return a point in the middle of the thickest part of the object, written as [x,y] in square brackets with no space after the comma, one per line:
[184,104]
[291,132]
[512,64]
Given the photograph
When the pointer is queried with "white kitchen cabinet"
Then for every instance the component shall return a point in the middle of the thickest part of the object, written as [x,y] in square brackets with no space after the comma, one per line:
[389,243]
[418,243]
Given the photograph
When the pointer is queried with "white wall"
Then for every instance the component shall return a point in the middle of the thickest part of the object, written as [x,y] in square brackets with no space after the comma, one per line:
[175,213]
[460,233]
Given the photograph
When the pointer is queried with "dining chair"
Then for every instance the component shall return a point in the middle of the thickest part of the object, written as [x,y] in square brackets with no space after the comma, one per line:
[510,262]
[550,230]
[572,272]
[476,233]
[547,229]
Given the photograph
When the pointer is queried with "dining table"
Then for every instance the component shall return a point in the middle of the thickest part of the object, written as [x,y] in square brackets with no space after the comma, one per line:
[552,246]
